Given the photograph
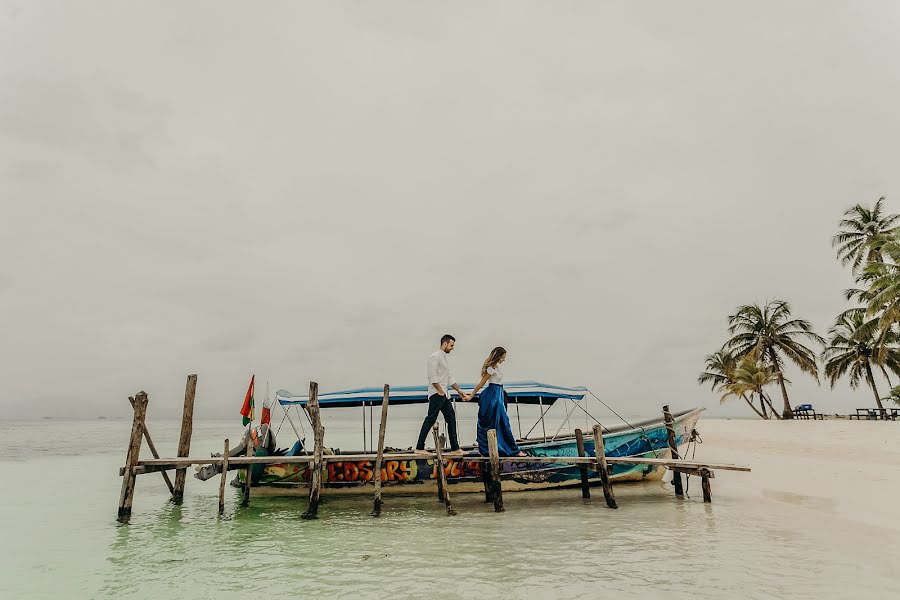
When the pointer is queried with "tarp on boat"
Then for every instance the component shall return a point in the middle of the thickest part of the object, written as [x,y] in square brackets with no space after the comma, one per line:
[524,392]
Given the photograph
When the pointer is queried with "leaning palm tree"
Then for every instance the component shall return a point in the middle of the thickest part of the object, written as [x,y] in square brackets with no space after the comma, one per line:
[719,372]
[862,232]
[769,334]
[854,347]
[886,341]
[750,376]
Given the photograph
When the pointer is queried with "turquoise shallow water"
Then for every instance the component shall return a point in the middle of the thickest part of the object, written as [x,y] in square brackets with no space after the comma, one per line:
[62,541]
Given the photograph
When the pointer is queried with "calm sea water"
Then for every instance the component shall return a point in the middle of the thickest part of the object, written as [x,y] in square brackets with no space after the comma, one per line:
[61,539]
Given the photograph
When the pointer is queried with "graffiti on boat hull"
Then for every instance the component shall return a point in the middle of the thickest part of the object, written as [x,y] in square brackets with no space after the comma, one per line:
[647,442]
[363,471]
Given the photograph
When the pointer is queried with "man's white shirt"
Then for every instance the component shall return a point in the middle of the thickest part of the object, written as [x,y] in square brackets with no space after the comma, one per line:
[439,372]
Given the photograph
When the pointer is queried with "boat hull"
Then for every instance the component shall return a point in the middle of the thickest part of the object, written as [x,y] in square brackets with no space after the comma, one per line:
[401,477]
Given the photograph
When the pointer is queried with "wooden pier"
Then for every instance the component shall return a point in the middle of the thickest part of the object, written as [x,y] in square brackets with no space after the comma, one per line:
[318,460]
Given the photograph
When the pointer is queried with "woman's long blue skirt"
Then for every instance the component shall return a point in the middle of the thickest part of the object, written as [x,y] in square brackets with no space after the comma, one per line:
[492,415]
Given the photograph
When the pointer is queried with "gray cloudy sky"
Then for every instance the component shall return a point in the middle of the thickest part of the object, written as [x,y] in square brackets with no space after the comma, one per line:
[320,190]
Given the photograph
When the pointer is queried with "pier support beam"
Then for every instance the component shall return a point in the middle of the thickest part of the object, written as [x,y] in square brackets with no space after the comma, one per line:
[376,510]
[440,485]
[673,447]
[315,475]
[707,490]
[248,474]
[486,479]
[154,452]
[496,488]
[184,442]
[600,453]
[222,480]
[126,496]
[585,482]
[442,476]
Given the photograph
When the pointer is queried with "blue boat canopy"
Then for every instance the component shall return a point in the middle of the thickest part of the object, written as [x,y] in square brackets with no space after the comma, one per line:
[525,392]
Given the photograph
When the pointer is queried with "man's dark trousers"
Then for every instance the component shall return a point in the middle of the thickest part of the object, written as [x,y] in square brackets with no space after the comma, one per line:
[443,405]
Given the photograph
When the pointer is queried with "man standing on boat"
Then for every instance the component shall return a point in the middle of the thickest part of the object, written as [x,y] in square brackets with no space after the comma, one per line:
[439,383]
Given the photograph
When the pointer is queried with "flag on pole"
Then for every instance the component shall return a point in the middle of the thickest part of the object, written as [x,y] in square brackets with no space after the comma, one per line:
[266,417]
[247,408]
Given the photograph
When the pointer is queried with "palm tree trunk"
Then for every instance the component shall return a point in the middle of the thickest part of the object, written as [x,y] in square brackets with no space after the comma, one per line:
[762,405]
[874,389]
[774,412]
[753,406]
[787,413]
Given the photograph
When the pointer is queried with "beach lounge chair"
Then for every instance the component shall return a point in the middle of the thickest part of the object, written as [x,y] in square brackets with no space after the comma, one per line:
[806,411]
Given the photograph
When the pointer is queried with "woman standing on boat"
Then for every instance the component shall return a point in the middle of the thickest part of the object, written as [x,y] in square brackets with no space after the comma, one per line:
[492,408]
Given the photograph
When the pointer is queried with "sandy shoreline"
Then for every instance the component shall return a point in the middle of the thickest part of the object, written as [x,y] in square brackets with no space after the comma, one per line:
[841,468]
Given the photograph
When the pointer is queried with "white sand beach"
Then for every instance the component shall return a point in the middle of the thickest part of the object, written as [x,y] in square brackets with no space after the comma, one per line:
[840,468]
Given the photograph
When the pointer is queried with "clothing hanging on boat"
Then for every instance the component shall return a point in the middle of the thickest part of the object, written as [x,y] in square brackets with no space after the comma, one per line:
[492,415]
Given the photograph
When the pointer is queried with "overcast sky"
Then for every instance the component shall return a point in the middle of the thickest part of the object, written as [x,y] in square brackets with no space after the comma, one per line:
[320,190]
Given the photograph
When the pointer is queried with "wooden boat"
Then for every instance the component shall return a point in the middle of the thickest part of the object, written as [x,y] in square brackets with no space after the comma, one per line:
[404,475]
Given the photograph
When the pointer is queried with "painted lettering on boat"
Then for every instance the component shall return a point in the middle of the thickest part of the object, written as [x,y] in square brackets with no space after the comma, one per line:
[457,468]
[398,470]
[364,471]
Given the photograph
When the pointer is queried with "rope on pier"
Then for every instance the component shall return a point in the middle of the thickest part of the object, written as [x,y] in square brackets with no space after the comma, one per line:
[643,431]
[696,440]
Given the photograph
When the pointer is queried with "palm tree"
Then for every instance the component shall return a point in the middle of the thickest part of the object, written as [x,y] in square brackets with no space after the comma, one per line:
[854,345]
[862,231]
[769,334]
[881,288]
[894,395]
[750,377]
[719,369]
[887,340]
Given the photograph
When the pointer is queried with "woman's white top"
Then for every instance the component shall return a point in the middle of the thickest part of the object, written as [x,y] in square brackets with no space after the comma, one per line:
[496,375]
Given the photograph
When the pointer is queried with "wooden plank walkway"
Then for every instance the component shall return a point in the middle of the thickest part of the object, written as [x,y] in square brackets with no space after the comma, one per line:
[177,463]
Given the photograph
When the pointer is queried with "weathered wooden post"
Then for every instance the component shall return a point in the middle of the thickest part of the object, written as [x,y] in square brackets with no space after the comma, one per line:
[315,475]
[442,441]
[673,447]
[224,477]
[442,477]
[376,510]
[248,475]
[496,488]
[585,481]
[154,452]
[486,479]
[600,453]
[184,442]
[126,496]
[707,490]
[440,482]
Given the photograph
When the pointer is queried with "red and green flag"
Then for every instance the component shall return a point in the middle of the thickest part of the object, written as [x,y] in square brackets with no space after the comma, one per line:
[247,408]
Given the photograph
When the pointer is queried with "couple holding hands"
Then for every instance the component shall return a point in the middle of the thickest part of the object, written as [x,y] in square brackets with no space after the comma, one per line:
[491,403]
